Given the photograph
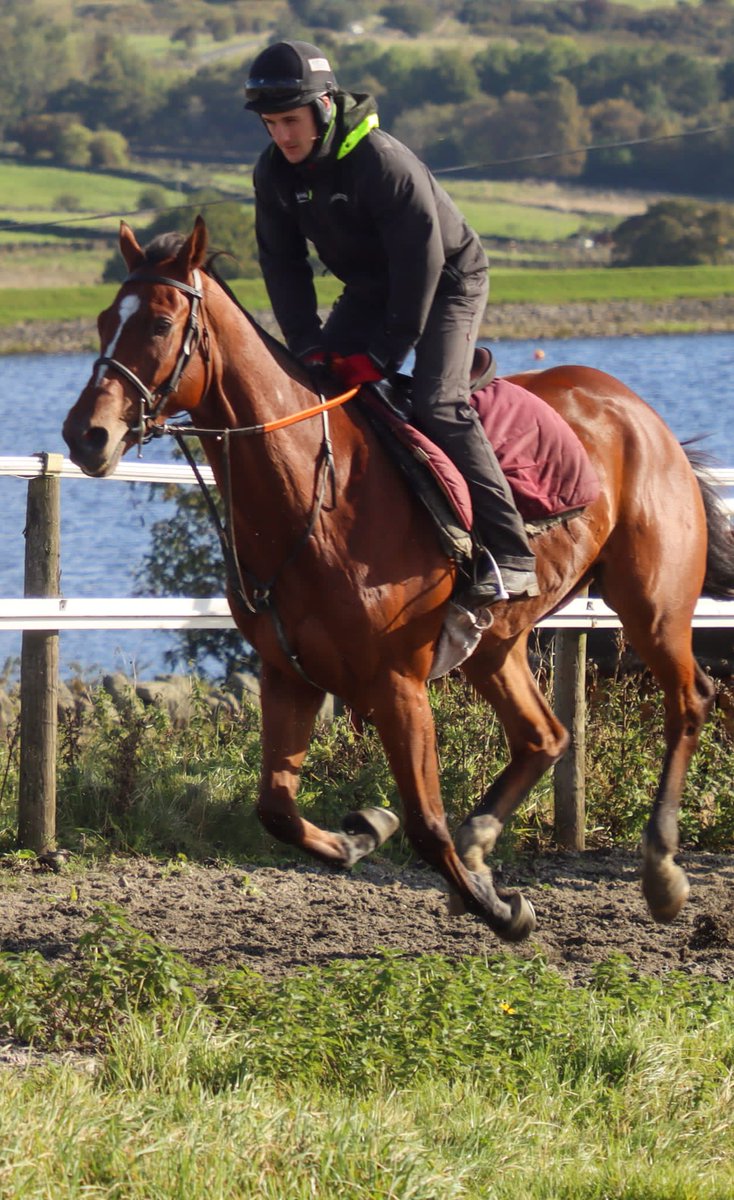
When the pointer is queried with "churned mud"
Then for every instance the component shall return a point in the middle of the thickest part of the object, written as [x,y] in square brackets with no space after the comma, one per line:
[278,919]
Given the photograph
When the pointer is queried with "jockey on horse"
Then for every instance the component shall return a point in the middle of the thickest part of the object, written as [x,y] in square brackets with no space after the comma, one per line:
[414,275]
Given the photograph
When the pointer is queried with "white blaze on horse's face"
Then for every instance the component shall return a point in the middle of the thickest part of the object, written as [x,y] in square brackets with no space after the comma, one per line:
[128,306]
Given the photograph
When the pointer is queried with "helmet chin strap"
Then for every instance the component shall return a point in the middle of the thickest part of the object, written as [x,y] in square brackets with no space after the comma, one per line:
[324,110]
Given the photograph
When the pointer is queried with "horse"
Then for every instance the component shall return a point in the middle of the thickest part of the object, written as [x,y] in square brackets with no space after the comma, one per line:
[341,585]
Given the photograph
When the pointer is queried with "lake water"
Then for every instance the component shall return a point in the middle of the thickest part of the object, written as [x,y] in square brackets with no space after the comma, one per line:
[106,525]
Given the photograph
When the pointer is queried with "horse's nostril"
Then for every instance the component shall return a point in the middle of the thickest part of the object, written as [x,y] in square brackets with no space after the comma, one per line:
[95,438]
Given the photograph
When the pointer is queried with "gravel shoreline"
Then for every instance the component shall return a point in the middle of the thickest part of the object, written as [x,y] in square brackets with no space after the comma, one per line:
[509,322]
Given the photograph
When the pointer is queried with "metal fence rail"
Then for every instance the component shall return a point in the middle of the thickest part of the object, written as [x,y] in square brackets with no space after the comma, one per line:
[42,614]
[59,613]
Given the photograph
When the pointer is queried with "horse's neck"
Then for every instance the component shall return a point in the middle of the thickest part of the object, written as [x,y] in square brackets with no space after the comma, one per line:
[275,471]
[254,386]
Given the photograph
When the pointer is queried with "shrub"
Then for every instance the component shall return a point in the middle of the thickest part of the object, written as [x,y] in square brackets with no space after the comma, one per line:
[109,149]
[73,148]
[675,233]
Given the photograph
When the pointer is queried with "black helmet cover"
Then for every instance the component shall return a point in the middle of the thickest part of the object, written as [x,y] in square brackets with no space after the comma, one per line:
[288,75]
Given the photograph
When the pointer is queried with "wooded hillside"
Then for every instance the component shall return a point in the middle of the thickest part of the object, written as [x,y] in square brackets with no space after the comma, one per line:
[604,93]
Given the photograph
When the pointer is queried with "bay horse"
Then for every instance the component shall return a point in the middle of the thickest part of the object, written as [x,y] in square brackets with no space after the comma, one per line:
[341,584]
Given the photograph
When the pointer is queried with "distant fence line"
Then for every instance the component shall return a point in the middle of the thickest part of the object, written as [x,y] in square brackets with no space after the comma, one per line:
[42,613]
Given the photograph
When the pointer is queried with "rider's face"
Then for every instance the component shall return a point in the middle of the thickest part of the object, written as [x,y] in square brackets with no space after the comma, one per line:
[294,132]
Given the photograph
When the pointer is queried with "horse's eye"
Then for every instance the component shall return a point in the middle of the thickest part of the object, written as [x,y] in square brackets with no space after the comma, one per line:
[162,326]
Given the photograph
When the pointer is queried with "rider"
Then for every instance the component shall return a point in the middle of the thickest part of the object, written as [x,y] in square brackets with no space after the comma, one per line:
[414,275]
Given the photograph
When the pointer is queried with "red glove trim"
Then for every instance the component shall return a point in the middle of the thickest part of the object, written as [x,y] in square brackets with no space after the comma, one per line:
[355,369]
[315,358]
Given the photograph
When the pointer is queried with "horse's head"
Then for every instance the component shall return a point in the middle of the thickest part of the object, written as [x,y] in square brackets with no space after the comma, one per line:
[151,363]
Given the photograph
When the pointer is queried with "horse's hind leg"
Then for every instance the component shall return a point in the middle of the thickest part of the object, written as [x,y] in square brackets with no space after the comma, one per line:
[536,740]
[689,697]
[289,707]
[661,634]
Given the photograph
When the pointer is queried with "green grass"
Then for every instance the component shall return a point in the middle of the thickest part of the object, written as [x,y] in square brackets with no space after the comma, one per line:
[137,785]
[387,1079]
[54,303]
[508,287]
[651,284]
[35,187]
[495,219]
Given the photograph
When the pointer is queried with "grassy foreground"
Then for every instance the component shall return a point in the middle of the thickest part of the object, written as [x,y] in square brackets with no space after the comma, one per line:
[395,1078]
[420,1080]
[651,285]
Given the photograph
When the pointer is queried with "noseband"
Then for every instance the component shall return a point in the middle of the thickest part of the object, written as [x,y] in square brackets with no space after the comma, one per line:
[152,402]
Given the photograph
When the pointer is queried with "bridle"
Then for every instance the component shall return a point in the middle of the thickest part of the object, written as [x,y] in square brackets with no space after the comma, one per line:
[153,401]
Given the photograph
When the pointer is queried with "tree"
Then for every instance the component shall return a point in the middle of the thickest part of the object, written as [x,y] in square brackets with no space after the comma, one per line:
[433,133]
[502,67]
[206,109]
[231,228]
[528,127]
[104,97]
[449,78]
[34,60]
[187,560]
[413,17]
[613,121]
[74,146]
[675,233]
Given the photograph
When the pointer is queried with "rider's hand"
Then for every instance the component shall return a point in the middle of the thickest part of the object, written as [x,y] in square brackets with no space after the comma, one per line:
[315,358]
[355,369]
[317,362]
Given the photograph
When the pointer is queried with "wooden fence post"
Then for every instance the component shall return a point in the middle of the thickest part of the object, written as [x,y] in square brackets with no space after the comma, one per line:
[569,775]
[39,665]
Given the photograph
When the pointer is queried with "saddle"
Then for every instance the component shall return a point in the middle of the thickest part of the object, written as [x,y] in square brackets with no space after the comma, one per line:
[544,462]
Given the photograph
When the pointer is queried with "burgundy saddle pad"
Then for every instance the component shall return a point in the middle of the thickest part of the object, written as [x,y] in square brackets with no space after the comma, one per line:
[545,464]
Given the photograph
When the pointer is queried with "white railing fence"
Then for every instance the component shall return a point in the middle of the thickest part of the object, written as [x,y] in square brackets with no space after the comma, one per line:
[41,614]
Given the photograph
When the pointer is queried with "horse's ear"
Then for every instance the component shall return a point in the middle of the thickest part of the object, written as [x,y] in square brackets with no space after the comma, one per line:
[193,252]
[129,247]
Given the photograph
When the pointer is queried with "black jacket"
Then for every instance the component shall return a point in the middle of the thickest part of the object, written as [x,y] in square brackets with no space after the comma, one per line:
[377,219]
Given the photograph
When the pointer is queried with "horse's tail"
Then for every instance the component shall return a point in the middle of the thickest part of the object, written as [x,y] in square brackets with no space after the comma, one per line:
[719,581]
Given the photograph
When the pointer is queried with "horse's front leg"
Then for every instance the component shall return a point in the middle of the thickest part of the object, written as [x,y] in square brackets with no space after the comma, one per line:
[404,720]
[289,707]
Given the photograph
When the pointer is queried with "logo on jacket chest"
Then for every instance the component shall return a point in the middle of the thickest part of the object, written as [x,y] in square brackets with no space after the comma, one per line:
[305,196]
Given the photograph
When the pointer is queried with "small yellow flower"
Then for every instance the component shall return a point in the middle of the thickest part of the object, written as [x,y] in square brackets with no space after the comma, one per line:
[507,1008]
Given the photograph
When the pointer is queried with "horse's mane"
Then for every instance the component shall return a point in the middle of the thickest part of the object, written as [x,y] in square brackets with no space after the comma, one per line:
[167,245]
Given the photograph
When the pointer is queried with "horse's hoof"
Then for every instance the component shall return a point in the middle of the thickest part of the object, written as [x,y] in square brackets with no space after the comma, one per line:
[522,919]
[666,888]
[509,915]
[376,823]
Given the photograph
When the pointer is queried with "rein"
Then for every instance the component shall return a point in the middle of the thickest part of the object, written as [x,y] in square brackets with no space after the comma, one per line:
[152,402]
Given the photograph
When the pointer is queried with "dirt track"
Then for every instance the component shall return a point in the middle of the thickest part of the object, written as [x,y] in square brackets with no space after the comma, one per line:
[278,919]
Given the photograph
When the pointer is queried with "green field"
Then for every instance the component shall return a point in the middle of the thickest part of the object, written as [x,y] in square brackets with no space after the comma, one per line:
[508,287]
[35,188]
[35,268]
[91,202]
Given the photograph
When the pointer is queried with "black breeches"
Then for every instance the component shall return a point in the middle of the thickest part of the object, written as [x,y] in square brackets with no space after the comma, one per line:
[440,402]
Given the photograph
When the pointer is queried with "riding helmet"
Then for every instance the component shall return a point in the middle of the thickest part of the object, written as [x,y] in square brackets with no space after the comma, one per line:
[290,75]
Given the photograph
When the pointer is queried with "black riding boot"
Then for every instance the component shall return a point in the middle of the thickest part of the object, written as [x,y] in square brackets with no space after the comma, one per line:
[497,523]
